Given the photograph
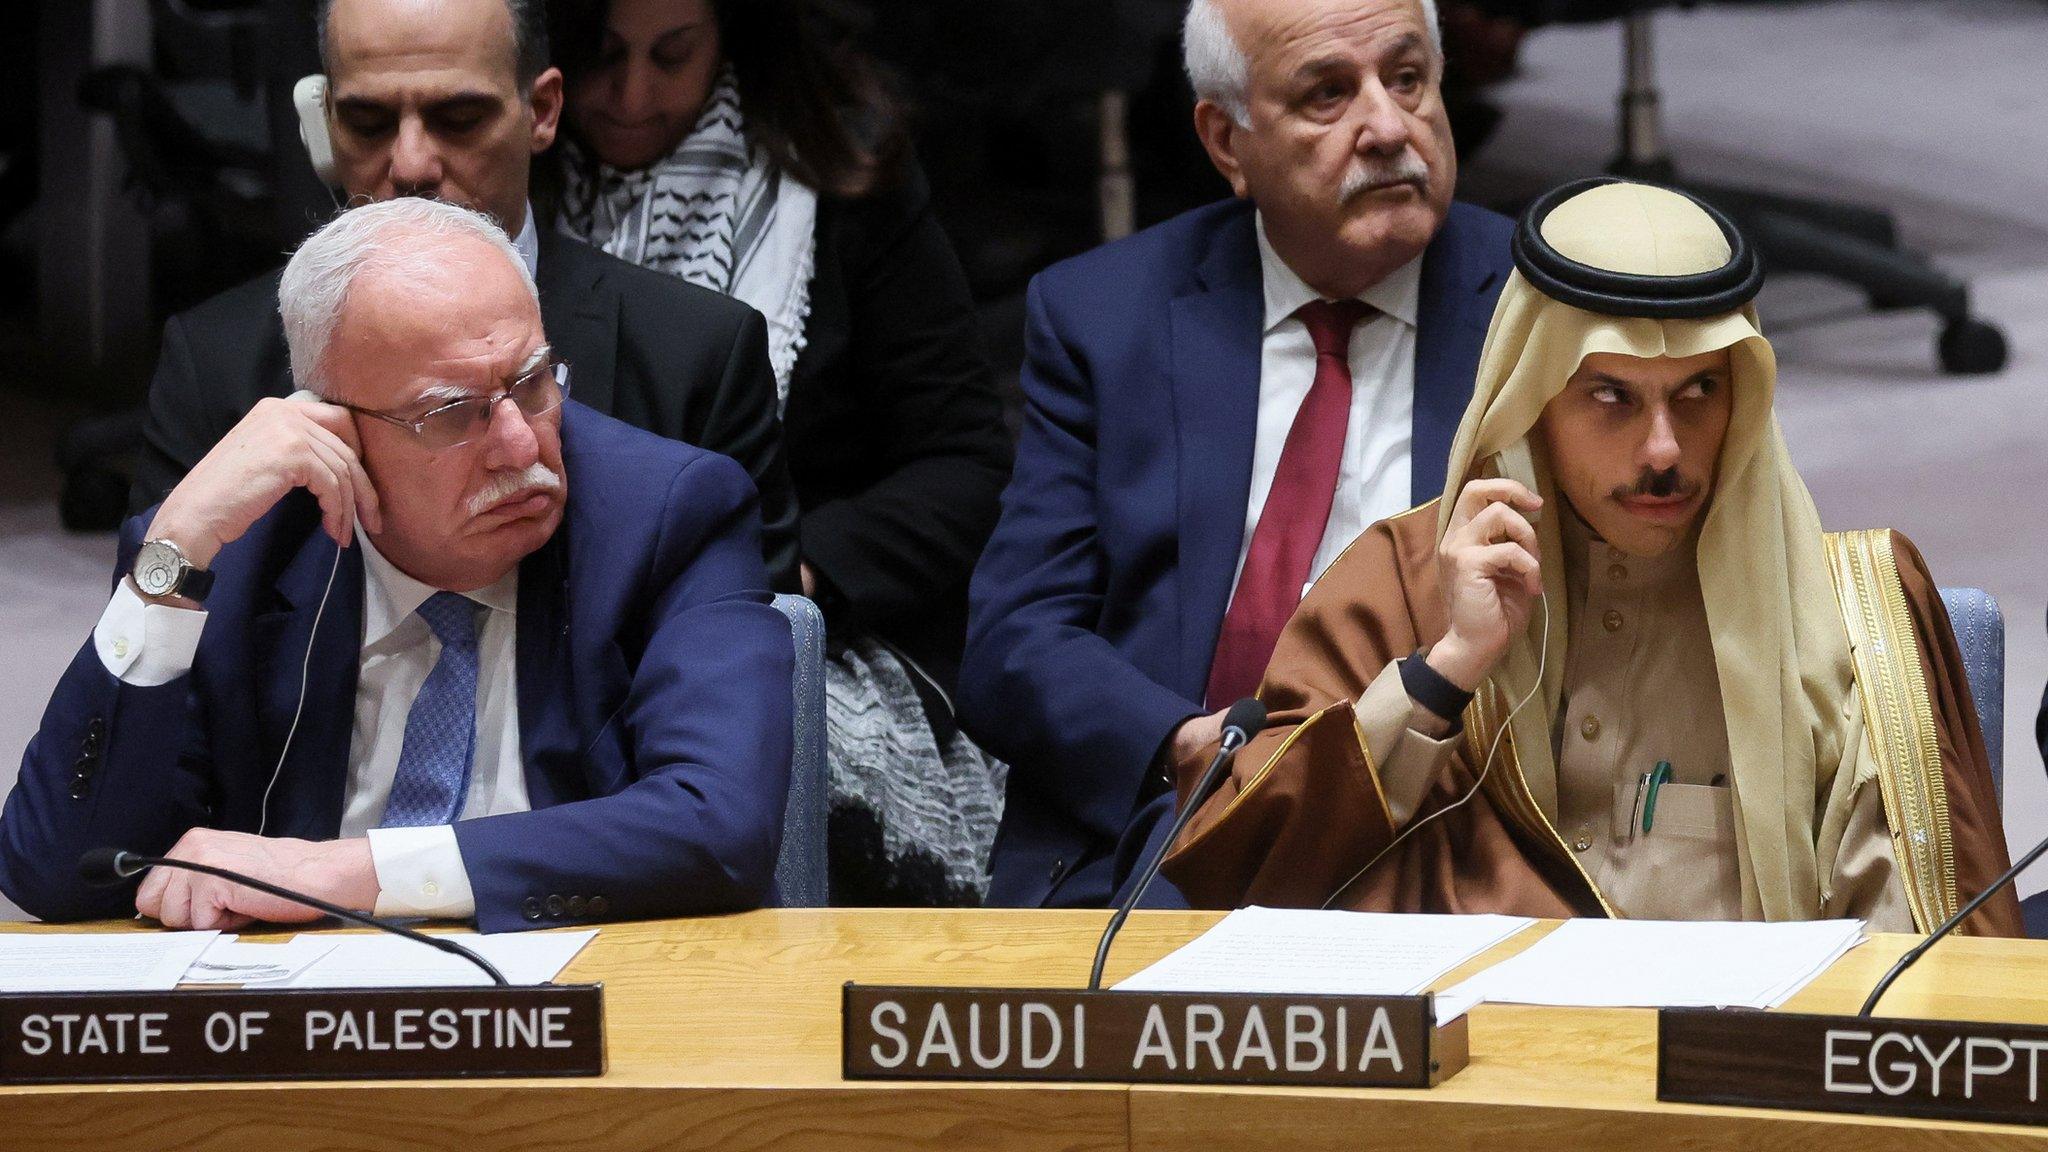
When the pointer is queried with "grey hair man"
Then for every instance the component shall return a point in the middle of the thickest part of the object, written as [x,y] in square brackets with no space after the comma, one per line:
[1311,344]
[1328,114]
[487,689]
[451,100]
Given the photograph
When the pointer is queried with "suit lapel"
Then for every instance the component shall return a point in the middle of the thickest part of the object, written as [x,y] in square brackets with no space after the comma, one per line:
[306,800]
[1216,332]
[581,315]
[1454,310]
[541,659]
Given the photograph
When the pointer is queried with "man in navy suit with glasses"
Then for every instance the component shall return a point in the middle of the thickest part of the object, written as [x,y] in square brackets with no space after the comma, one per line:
[426,639]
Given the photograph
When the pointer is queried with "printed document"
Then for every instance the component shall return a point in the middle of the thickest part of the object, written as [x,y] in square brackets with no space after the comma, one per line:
[1324,953]
[1666,964]
[98,961]
[384,961]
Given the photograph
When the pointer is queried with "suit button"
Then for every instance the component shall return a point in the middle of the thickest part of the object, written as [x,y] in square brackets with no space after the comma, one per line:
[96,728]
[578,905]
[1590,728]
[556,905]
[599,905]
[530,907]
[1058,866]
[78,792]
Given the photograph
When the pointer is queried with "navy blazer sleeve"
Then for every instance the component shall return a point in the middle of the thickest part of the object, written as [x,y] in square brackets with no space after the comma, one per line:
[708,719]
[97,774]
[1038,685]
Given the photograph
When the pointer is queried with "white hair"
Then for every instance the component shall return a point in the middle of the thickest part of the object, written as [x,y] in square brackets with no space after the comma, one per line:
[1217,68]
[408,235]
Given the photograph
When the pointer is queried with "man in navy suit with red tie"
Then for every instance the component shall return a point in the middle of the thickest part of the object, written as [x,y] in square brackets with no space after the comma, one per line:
[1216,407]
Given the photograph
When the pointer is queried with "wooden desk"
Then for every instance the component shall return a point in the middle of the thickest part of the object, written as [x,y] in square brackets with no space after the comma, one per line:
[724,1033]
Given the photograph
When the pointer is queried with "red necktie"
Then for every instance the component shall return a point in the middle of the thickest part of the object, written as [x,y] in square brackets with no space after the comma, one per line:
[1297,510]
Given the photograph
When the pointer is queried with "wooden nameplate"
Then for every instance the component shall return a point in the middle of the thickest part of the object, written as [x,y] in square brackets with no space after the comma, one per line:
[302,1034]
[924,1033]
[1936,1069]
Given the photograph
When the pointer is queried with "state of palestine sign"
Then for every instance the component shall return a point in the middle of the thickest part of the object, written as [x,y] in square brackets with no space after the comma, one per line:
[927,1033]
[309,1034]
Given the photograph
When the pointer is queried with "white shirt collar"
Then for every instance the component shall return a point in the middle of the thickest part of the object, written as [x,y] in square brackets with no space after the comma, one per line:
[528,243]
[1398,295]
[390,597]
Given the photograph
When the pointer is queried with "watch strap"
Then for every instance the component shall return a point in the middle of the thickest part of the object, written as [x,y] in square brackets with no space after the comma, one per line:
[196,584]
[1427,687]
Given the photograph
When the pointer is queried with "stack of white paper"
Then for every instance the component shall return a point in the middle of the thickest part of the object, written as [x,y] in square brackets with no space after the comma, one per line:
[98,961]
[1325,953]
[232,961]
[383,961]
[1666,964]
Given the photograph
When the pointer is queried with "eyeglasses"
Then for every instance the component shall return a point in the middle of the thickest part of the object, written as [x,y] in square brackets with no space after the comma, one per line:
[538,392]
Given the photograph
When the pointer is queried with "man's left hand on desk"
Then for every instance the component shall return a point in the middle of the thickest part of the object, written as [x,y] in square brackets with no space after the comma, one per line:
[340,871]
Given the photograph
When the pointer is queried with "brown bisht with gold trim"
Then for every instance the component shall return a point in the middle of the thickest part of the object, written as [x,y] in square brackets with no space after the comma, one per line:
[1836,662]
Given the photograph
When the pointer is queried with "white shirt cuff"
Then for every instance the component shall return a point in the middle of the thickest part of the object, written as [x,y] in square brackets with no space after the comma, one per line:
[420,873]
[146,644]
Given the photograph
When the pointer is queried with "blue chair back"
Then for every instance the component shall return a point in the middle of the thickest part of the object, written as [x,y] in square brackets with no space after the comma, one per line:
[800,872]
[1980,633]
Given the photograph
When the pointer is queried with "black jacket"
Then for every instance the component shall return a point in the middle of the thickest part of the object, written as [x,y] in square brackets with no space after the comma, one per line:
[667,356]
[895,426]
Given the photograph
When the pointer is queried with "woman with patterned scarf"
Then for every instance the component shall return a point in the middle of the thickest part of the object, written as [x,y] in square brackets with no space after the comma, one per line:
[728,143]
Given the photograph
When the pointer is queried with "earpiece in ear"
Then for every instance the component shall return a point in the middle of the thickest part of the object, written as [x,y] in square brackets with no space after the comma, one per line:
[309,99]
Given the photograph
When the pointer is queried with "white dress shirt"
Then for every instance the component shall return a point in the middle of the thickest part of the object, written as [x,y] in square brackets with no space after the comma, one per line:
[528,243]
[1373,482]
[419,870]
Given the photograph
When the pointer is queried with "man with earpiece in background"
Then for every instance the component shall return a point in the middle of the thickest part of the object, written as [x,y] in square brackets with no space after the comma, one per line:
[435,641]
[1618,669]
[452,99]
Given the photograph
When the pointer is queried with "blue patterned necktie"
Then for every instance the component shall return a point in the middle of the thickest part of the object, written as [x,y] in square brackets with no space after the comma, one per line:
[440,732]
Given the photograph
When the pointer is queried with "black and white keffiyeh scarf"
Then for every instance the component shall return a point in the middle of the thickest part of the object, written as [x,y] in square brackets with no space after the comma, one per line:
[716,212]
[915,806]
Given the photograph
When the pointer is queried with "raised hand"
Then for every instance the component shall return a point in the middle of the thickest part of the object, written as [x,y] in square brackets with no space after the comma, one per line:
[1490,577]
[280,445]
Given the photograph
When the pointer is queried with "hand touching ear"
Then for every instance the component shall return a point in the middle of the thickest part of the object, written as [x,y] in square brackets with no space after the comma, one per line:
[280,445]
[1490,577]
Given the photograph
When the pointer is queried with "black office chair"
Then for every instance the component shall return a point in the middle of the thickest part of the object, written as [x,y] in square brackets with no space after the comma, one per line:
[1847,242]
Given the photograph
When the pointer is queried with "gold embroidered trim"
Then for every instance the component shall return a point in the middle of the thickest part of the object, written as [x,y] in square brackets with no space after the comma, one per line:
[1898,718]
[1510,790]
[1260,777]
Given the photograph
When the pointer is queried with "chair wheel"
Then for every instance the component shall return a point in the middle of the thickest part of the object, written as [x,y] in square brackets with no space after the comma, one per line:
[1971,348]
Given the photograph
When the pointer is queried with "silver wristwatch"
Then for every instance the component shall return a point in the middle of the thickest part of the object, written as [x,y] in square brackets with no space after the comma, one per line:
[161,569]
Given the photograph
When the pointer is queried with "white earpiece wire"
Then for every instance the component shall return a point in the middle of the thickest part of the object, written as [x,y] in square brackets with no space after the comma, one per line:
[1542,658]
[305,666]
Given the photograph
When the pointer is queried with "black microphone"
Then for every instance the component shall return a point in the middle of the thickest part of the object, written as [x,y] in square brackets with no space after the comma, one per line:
[1948,926]
[106,867]
[1244,720]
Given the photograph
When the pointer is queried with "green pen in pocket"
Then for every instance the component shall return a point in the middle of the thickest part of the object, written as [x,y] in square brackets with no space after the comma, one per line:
[1656,778]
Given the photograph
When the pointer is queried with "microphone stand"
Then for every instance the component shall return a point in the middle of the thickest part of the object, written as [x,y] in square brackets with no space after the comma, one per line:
[1244,718]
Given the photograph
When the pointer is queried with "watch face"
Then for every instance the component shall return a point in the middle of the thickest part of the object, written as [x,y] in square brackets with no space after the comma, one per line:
[157,568]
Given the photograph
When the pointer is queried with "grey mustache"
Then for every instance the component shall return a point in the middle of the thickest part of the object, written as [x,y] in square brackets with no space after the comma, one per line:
[536,477]
[1370,175]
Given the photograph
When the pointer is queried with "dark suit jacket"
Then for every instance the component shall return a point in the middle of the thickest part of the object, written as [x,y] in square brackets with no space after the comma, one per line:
[649,349]
[1095,609]
[653,691]
[895,426]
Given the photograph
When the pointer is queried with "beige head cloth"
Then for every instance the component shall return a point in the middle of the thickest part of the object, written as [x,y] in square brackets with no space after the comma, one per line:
[1780,647]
